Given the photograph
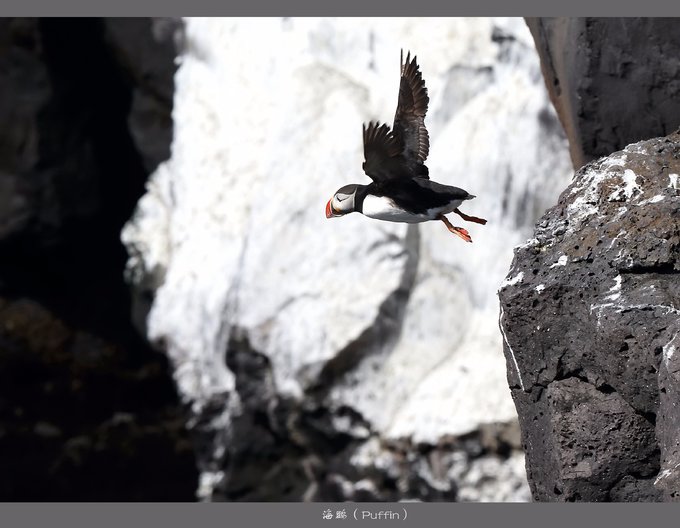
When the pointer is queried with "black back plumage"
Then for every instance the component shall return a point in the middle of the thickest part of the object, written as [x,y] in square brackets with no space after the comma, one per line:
[394,159]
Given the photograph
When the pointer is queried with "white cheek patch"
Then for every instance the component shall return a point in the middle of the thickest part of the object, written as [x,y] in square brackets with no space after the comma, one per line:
[342,203]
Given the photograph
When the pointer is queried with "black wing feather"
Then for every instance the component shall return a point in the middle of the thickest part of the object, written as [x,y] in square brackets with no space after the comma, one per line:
[382,153]
[409,120]
[399,153]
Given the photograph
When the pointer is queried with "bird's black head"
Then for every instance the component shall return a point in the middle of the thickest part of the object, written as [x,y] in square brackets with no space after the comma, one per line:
[343,201]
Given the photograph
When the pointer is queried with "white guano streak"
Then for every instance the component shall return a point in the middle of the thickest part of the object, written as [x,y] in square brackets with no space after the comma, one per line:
[512,353]
[562,261]
[673,181]
[669,349]
[514,280]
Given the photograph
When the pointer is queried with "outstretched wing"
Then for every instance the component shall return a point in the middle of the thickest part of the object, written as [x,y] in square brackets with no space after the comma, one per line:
[382,153]
[409,130]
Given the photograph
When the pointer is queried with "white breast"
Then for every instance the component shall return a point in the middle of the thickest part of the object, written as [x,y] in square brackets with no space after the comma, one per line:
[382,208]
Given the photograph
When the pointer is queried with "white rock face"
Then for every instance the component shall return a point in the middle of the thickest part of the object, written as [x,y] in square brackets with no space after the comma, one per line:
[396,322]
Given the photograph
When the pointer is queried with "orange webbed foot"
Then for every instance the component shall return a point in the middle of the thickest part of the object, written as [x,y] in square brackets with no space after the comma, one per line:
[462,233]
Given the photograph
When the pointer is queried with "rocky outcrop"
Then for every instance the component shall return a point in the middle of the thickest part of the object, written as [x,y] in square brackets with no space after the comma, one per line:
[83,418]
[87,410]
[590,313]
[348,359]
[614,81]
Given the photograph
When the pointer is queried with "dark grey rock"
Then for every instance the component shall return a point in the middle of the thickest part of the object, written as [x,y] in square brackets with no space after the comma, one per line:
[28,196]
[590,313]
[85,106]
[87,410]
[613,81]
[83,419]
[668,431]
[145,49]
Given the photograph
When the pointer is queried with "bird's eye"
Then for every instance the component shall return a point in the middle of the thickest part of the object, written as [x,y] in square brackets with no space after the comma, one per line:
[342,197]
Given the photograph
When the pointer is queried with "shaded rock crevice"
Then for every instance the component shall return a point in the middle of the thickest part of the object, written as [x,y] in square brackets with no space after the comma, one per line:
[82,177]
[613,81]
[88,411]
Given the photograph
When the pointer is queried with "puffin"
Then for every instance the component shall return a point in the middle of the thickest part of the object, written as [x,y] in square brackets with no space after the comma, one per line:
[401,190]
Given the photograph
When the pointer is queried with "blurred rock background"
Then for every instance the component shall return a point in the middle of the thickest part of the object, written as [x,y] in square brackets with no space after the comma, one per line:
[347,359]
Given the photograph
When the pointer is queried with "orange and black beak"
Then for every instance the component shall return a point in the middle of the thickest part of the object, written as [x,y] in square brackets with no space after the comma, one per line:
[330,212]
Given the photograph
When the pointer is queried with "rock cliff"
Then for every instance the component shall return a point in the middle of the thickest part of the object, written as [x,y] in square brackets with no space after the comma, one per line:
[590,313]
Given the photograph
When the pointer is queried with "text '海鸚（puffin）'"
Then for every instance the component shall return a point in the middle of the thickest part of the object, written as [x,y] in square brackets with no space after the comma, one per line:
[401,190]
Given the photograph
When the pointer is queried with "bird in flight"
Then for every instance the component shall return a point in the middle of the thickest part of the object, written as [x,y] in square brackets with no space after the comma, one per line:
[401,190]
